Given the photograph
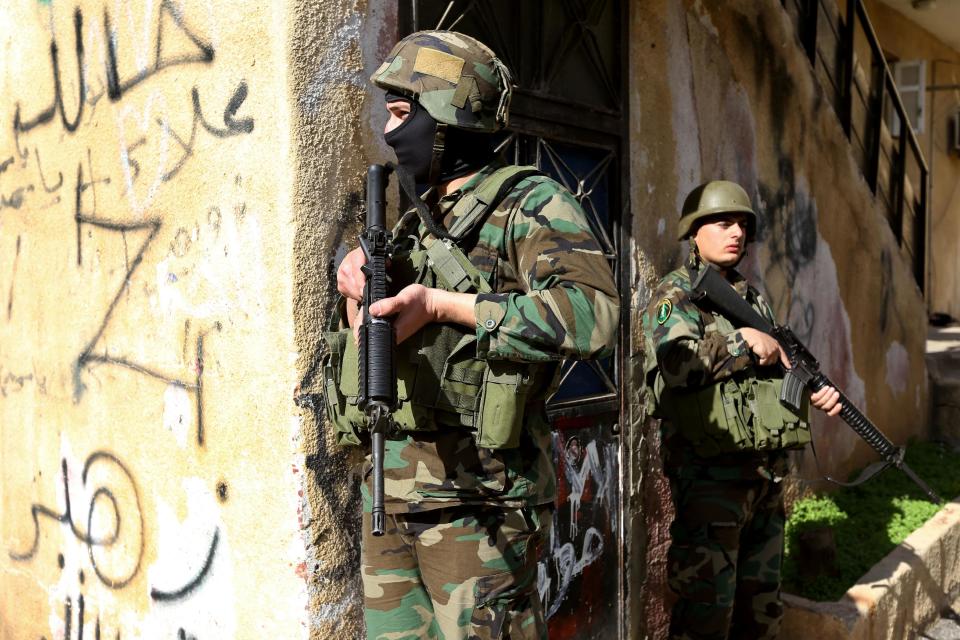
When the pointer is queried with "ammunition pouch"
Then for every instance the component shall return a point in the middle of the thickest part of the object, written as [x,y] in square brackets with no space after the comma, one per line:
[439,386]
[743,413]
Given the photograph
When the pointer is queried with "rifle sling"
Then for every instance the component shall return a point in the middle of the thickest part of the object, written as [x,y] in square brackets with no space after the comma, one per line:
[868,472]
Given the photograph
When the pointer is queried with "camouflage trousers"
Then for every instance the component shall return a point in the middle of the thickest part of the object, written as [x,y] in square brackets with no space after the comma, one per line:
[725,557]
[455,573]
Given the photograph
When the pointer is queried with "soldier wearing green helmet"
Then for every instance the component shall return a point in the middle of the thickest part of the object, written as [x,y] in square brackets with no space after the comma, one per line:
[497,277]
[725,433]
[712,198]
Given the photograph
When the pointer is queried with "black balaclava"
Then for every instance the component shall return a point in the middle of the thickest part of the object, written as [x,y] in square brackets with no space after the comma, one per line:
[464,151]
[413,142]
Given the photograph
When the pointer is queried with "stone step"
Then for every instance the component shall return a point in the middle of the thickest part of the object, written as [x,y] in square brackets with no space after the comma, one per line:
[900,596]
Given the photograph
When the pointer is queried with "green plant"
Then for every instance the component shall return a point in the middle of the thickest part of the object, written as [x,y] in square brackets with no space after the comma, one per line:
[868,521]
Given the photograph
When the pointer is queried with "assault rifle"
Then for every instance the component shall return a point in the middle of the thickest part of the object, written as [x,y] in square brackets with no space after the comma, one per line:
[378,376]
[804,371]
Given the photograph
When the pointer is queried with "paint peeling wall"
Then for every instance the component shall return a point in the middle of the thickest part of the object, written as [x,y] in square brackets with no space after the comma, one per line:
[151,450]
[723,90]
[902,39]
[335,47]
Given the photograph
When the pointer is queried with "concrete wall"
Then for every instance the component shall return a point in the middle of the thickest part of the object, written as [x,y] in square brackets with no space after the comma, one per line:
[723,90]
[905,40]
[173,177]
[338,117]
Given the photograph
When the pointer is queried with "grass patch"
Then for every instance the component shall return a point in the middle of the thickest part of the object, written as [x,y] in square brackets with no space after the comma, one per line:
[868,521]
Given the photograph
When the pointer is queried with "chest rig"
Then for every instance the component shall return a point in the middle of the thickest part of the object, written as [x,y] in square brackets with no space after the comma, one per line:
[441,384]
[741,413]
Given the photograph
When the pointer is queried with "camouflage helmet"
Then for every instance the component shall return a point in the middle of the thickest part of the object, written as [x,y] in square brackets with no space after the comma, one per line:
[712,198]
[457,79]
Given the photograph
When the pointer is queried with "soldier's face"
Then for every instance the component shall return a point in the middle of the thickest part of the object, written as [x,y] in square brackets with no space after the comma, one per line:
[722,239]
[399,110]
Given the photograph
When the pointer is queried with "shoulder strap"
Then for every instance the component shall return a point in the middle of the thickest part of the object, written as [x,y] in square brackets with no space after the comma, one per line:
[448,260]
[481,201]
[454,268]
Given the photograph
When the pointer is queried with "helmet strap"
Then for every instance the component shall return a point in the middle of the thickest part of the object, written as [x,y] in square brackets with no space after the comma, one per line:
[503,107]
[439,142]
[693,256]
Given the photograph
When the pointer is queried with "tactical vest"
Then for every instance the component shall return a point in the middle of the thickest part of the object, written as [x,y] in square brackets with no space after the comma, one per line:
[742,413]
[441,383]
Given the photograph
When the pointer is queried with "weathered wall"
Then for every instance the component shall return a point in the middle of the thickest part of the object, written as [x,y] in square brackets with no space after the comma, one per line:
[151,450]
[723,90]
[338,115]
[905,40]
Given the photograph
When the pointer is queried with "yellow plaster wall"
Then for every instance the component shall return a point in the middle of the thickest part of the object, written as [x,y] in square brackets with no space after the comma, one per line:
[151,454]
[905,40]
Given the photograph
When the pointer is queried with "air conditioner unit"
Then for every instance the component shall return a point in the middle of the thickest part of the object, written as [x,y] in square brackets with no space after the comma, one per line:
[954,133]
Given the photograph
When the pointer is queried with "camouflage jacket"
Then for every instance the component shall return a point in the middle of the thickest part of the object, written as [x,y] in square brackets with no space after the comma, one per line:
[553,298]
[684,348]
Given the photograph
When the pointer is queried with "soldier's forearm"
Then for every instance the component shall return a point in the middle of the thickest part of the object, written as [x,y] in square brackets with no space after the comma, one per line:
[696,362]
[455,307]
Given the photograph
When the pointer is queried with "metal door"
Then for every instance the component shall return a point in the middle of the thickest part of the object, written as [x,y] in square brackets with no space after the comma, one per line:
[568,119]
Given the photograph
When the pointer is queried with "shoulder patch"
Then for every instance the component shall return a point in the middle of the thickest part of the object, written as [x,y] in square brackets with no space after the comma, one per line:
[664,309]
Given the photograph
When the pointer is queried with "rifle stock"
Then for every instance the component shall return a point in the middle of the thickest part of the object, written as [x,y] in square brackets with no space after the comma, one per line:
[378,379]
[709,285]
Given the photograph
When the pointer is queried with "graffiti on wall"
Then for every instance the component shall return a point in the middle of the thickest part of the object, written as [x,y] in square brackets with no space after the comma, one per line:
[119,129]
[788,228]
[582,551]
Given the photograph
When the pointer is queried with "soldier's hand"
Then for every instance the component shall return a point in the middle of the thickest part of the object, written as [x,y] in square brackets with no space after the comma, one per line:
[416,306]
[765,347]
[412,308]
[827,400]
[350,279]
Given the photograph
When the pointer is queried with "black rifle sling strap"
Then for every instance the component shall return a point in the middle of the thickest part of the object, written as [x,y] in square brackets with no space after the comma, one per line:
[423,211]
[868,473]
[482,200]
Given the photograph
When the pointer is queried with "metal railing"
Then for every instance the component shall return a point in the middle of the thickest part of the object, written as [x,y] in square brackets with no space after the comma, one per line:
[839,38]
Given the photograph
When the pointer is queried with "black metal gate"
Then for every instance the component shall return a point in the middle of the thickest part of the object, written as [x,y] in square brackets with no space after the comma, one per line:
[568,117]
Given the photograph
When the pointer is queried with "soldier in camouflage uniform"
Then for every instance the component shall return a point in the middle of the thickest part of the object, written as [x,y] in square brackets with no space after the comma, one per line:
[505,268]
[725,434]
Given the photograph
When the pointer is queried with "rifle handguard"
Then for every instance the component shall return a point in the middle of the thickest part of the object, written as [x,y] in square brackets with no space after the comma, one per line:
[378,376]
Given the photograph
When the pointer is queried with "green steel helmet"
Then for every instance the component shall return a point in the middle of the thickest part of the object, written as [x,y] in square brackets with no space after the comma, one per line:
[712,198]
[457,79]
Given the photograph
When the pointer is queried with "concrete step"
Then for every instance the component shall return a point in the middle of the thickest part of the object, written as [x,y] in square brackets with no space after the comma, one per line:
[904,594]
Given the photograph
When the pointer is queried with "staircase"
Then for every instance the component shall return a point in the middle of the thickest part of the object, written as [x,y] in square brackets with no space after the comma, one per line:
[843,48]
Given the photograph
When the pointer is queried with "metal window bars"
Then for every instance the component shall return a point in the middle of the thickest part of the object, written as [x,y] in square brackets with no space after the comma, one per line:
[841,44]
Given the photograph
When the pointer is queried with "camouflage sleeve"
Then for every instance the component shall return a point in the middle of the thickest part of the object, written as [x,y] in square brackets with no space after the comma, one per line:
[569,306]
[763,306]
[687,355]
